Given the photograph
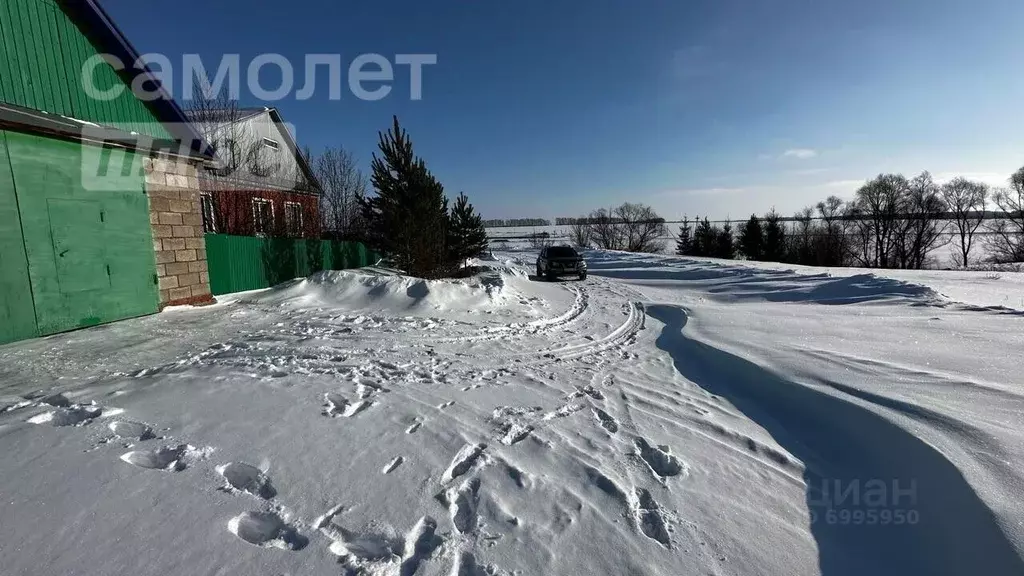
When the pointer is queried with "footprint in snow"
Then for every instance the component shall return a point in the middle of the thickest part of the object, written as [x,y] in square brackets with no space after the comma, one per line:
[246,478]
[659,460]
[167,458]
[70,416]
[516,433]
[356,408]
[131,430]
[336,405]
[649,520]
[394,463]
[266,529]
[374,552]
[606,420]
[562,412]
[55,400]
[587,391]
[412,429]
[463,461]
[465,565]
[462,504]
[446,405]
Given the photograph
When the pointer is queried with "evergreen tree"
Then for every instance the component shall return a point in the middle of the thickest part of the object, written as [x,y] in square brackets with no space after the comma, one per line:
[752,239]
[774,238]
[684,242]
[725,247]
[704,239]
[467,236]
[407,219]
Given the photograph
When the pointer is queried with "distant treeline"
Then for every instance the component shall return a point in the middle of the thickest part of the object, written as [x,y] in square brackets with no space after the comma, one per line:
[602,219]
[516,222]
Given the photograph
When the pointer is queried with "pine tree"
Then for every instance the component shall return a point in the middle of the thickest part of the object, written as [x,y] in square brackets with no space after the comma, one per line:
[684,242]
[467,236]
[774,238]
[704,239]
[752,239]
[407,219]
[725,247]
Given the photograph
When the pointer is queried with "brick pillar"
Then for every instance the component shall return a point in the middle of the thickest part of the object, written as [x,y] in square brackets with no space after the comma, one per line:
[176,217]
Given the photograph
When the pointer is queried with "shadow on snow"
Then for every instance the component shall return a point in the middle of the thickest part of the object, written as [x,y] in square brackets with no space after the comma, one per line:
[845,446]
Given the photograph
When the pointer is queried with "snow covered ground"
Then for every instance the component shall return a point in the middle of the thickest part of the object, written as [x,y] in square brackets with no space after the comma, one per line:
[665,417]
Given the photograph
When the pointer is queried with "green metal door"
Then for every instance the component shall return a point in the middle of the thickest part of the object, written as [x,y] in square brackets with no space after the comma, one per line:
[86,233]
[17,318]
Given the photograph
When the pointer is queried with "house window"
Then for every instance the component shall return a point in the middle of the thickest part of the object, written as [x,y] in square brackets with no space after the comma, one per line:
[270,143]
[262,216]
[209,220]
[293,218]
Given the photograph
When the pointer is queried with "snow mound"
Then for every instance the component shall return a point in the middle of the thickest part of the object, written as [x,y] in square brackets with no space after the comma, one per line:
[489,287]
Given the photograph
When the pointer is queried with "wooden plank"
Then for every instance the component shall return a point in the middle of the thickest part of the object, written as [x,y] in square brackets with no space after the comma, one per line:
[17,315]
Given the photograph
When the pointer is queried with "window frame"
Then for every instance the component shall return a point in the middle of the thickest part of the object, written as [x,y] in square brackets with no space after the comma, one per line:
[299,229]
[271,143]
[209,220]
[257,222]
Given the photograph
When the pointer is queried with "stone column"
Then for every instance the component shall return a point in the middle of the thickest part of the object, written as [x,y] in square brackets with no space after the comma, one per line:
[176,217]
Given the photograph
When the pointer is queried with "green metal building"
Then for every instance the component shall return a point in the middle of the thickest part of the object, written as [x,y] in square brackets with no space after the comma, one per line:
[76,240]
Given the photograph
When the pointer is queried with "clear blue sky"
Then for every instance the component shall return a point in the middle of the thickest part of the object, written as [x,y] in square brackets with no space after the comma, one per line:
[718,107]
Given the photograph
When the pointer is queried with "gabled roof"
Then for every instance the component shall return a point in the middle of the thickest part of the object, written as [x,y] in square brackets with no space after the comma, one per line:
[223,115]
[229,116]
[108,38]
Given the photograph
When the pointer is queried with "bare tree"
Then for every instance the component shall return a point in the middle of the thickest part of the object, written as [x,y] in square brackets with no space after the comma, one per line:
[1007,240]
[641,228]
[539,240]
[605,231]
[965,201]
[802,237]
[342,182]
[832,245]
[878,207]
[921,227]
[579,232]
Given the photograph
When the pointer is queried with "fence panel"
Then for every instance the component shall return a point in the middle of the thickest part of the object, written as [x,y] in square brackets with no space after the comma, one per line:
[240,263]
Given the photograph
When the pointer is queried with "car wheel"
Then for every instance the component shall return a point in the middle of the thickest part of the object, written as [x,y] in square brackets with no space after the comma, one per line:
[583,277]
[539,275]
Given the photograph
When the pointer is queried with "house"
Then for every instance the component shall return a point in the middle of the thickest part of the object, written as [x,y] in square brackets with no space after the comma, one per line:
[100,213]
[259,184]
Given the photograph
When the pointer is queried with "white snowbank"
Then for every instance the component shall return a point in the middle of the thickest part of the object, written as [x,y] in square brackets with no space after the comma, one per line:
[496,289]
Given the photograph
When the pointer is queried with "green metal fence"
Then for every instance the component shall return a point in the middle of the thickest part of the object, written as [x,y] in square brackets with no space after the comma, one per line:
[239,263]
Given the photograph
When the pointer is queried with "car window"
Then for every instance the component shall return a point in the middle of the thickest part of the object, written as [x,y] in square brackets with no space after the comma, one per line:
[562,252]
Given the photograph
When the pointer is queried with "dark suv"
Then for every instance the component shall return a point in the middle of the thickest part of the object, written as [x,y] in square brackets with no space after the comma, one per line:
[558,261]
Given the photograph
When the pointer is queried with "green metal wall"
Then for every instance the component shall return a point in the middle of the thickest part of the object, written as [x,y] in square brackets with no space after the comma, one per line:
[17,318]
[240,263]
[87,240]
[42,53]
